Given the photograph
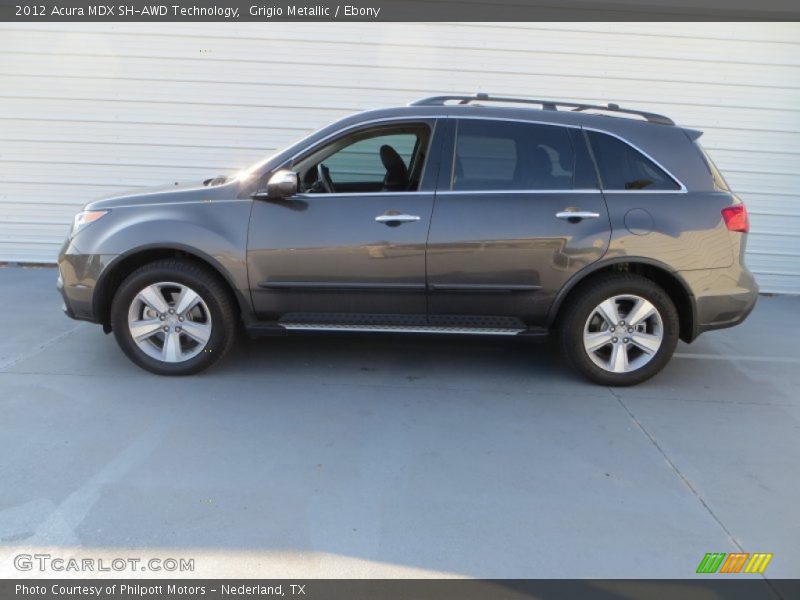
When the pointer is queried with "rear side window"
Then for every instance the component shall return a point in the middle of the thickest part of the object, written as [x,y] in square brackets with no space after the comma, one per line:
[622,167]
[509,155]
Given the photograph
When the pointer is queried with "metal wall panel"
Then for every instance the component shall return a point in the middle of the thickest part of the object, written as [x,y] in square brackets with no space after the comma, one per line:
[92,109]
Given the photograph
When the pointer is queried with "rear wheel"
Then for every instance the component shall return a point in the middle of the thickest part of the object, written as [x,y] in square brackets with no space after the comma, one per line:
[619,330]
[173,317]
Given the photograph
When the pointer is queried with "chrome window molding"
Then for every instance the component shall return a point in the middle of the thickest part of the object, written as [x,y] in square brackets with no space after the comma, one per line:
[434,118]
[457,192]
[443,192]
[683,190]
[379,193]
[473,192]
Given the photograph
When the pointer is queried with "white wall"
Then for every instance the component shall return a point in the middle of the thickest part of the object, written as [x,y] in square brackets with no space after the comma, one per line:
[91,109]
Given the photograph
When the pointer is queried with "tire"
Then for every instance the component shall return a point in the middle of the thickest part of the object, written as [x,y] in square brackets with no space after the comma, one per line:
[153,297]
[615,355]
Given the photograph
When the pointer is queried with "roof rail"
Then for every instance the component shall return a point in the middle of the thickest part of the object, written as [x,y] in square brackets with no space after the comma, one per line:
[545,104]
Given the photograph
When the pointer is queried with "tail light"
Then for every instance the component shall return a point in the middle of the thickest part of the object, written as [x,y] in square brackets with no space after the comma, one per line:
[736,218]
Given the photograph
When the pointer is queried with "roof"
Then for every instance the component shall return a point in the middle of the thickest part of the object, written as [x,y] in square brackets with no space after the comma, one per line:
[643,131]
[480,99]
[611,118]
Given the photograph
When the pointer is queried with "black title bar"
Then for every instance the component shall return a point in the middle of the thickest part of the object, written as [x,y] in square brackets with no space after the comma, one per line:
[400,10]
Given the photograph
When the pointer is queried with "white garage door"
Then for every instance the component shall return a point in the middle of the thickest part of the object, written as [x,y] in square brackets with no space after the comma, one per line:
[88,110]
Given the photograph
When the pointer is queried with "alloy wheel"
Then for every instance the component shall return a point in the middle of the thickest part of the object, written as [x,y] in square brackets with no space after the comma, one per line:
[623,333]
[169,322]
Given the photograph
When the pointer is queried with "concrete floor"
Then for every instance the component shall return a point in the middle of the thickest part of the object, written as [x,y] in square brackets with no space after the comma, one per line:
[326,456]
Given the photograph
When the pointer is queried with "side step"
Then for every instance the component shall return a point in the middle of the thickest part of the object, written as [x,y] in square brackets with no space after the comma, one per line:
[390,323]
[401,328]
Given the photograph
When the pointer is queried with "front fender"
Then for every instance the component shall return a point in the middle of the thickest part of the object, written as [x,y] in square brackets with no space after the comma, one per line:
[215,232]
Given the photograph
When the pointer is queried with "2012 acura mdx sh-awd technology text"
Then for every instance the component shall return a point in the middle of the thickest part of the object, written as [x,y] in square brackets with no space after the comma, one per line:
[610,228]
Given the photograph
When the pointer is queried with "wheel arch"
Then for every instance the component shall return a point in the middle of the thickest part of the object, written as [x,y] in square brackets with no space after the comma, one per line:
[671,281]
[125,264]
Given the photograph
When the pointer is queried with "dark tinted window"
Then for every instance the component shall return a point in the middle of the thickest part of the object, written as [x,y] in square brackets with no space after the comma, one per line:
[622,167]
[508,155]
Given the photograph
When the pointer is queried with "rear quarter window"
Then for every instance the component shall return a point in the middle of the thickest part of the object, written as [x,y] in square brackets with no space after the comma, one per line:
[623,168]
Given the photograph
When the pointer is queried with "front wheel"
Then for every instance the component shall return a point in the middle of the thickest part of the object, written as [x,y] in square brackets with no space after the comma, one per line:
[620,330]
[173,317]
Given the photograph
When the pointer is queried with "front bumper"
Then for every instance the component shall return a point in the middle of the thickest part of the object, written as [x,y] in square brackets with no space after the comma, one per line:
[78,275]
[64,306]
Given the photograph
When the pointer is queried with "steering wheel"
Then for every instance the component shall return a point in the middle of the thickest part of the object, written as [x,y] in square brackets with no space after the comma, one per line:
[324,178]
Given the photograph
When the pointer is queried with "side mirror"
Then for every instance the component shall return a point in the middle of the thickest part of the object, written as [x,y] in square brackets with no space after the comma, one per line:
[283,184]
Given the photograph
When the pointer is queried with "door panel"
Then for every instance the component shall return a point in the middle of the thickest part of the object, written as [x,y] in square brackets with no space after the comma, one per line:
[496,245]
[507,254]
[345,253]
[326,254]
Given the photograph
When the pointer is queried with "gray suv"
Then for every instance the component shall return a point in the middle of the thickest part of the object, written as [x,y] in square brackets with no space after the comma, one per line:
[610,228]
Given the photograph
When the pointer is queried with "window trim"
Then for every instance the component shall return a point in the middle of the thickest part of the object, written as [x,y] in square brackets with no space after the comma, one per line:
[681,188]
[434,120]
[351,194]
[551,192]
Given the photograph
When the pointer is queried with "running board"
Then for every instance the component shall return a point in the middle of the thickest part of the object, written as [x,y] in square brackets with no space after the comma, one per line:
[402,328]
[395,323]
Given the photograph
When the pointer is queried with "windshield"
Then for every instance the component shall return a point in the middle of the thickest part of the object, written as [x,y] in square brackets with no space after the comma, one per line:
[282,155]
[248,172]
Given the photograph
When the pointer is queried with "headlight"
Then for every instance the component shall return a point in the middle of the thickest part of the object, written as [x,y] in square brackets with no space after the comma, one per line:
[83,218]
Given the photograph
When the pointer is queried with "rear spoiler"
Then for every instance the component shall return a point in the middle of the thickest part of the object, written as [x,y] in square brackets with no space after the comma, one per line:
[692,134]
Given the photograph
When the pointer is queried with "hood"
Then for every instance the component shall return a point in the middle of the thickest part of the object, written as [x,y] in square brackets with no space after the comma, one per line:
[170,193]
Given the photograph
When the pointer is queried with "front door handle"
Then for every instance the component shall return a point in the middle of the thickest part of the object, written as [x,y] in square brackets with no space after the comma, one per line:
[396,219]
[573,216]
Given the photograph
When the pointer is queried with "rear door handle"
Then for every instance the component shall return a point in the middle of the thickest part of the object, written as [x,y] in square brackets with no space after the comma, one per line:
[576,215]
[396,219]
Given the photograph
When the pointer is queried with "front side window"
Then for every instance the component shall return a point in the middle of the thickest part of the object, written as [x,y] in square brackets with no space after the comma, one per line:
[622,167]
[383,159]
[510,155]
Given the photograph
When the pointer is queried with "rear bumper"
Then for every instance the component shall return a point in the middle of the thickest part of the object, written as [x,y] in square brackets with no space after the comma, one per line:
[722,297]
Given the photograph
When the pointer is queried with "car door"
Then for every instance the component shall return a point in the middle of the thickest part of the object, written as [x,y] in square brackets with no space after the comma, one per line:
[356,246]
[518,212]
